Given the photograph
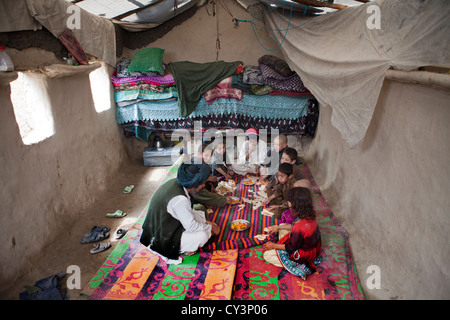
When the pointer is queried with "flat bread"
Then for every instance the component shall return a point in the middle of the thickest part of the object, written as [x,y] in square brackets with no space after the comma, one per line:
[262,237]
[267,213]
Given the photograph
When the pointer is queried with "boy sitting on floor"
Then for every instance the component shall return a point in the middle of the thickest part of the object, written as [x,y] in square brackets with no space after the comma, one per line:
[220,163]
[277,195]
[289,155]
[279,145]
[207,195]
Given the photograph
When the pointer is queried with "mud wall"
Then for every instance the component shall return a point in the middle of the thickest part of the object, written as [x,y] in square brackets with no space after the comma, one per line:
[391,191]
[47,185]
[195,39]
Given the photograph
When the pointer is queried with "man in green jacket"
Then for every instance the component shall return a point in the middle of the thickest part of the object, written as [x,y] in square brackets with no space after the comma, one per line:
[172,228]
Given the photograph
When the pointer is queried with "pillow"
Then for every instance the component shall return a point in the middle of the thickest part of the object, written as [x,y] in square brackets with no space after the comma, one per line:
[147,59]
[279,65]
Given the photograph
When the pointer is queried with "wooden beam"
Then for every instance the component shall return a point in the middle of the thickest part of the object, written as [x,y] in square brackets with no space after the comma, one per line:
[129,13]
[316,3]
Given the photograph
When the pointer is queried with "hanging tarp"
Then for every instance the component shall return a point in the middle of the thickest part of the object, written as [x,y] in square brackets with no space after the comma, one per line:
[342,57]
[95,34]
[137,16]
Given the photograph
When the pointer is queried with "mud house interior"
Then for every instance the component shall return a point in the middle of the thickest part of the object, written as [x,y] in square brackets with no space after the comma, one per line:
[379,152]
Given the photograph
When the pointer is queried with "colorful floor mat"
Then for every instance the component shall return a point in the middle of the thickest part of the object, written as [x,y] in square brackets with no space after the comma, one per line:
[231,265]
[132,272]
[335,279]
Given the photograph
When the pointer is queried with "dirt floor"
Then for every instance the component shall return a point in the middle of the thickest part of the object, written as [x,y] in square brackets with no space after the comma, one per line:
[67,250]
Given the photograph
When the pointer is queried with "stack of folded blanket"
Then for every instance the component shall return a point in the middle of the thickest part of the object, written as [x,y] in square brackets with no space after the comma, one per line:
[151,95]
[143,78]
[271,76]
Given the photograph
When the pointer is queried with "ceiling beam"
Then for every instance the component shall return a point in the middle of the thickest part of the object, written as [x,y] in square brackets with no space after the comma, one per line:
[129,13]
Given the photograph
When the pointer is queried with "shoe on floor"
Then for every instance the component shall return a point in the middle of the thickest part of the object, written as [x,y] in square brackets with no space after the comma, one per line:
[99,247]
[116,214]
[120,233]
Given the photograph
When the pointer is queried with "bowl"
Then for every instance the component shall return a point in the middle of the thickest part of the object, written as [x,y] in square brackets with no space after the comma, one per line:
[240,225]
[249,181]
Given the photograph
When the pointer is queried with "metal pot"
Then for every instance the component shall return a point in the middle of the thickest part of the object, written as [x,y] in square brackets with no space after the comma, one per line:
[159,144]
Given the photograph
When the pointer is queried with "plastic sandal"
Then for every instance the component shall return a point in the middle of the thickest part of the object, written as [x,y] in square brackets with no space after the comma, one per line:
[116,214]
[99,247]
[128,189]
[96,234]
[120,233]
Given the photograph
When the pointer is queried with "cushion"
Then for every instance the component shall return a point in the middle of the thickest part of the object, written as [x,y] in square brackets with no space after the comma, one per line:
[279,65]
[147,59]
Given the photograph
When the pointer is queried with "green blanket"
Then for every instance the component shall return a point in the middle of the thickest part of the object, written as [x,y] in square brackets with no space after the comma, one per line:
[194,79]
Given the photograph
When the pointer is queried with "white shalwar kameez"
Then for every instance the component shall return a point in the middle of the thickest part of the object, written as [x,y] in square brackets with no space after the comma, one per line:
[197,232]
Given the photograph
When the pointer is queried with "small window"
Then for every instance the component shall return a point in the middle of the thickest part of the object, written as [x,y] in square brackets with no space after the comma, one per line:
[102,93]
[32,108]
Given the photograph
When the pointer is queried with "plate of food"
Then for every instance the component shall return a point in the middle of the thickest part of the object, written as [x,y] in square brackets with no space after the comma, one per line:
[249,181]
[240,225]
[233,200]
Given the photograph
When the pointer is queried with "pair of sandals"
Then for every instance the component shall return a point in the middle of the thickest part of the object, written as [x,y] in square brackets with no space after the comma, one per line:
[99,233]
[102,246]
[116,214]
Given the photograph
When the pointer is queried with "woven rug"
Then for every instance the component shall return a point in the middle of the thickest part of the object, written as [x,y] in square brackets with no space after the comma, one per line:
[336,277]
[229,238]
[132,272]
[230,266]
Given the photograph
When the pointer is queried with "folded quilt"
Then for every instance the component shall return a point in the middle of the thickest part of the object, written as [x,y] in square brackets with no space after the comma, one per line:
[237,81]
[261,89]
[252,75]
[167,93]
[167,80]
[121,70]
[223,90]
[277,64]
[291,93]
[141,86]
[281,82]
